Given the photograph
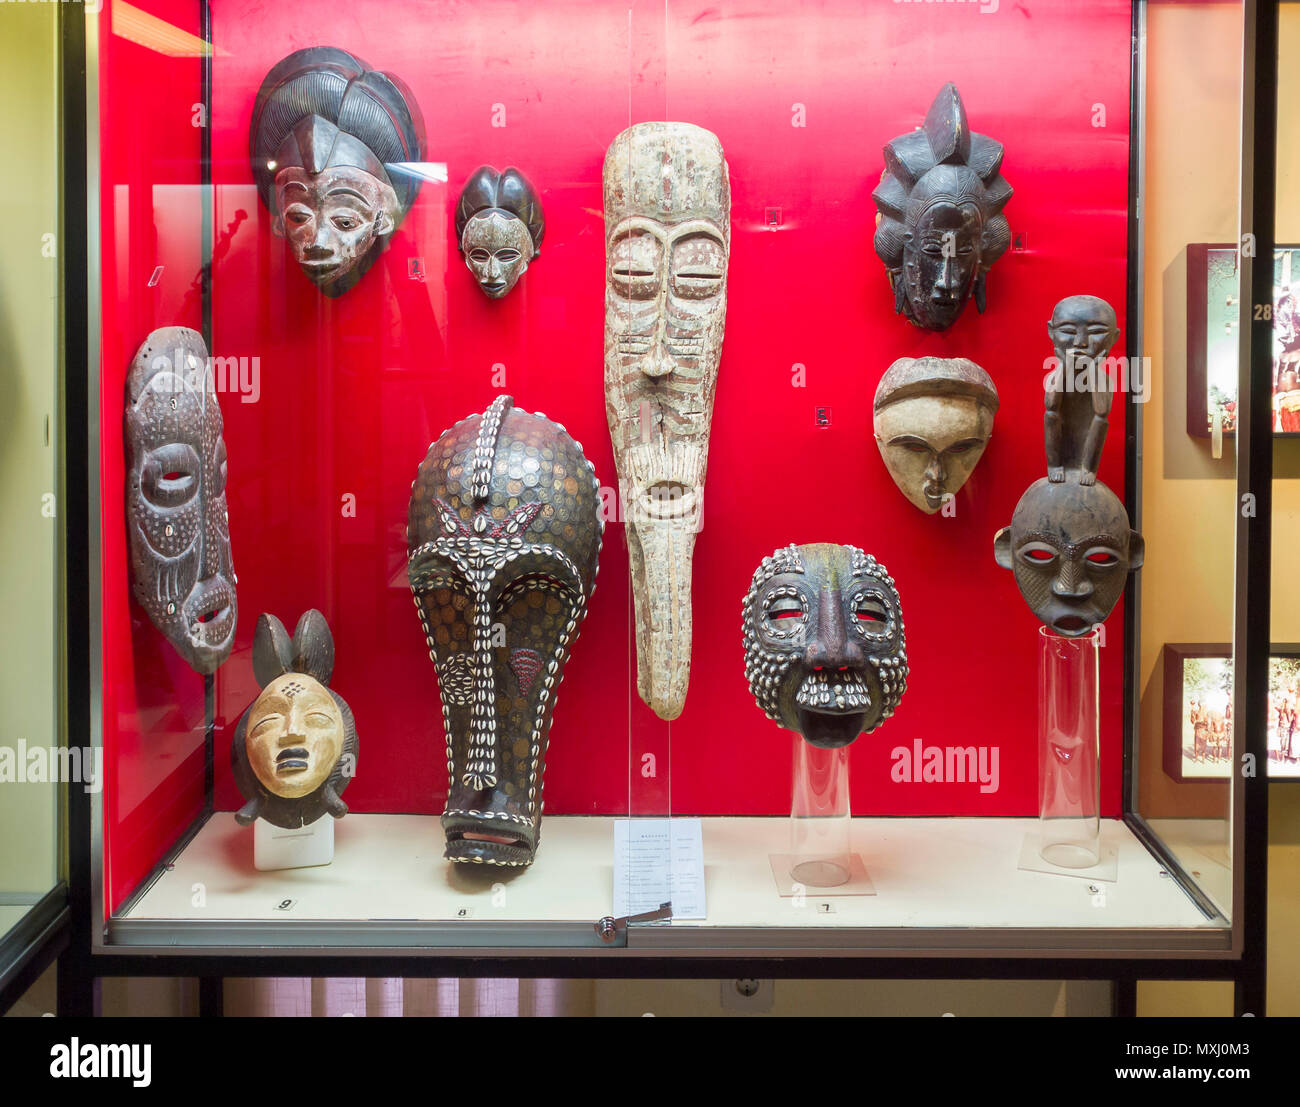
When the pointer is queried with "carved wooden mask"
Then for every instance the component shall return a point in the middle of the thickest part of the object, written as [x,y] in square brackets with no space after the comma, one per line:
[333,146]
[667,240]
[933,418]
[499,225]
[1071,549]
[940,225]
[181,570]
[295,748]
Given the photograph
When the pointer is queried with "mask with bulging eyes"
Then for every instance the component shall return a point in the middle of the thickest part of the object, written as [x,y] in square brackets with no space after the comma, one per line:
[181,571]
[504,532]
[667,242]
[1071,549]
[933,418]
[295,748]
[825,652]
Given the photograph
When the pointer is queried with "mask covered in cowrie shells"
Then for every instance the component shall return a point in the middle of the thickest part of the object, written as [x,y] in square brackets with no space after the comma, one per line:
[504,532]
[295,748]
[181,571]
[667,241]
[825,652]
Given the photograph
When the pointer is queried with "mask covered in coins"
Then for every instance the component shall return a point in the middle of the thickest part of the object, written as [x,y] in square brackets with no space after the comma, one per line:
[295,748]
[825,653]
[667,239]
[504,532]
[499,225]
[940,226]
[333,145]
[933,418]
[181,571]
[1071,549]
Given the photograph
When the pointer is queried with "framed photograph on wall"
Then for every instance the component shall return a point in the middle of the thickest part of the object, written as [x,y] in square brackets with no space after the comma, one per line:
[1198,711]
[1212,334]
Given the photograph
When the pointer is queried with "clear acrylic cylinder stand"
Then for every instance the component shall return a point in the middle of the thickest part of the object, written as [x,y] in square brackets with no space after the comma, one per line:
[1069,793]
[820,850]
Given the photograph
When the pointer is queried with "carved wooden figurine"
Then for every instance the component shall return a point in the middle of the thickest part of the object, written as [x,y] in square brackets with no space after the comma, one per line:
[1077,389]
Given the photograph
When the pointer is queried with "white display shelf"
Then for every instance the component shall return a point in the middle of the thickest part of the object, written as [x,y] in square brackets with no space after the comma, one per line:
[942,886]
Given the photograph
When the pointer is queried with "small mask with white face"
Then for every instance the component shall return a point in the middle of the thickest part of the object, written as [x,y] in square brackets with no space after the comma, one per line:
[499,226]
[333,220]
[294,735]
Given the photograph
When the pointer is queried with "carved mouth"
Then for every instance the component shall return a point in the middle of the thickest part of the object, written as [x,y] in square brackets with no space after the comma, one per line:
[484,840]
[933,493]
[667,499]
[834,706]
[209,612]
[493,288]
[1071,625]
[292,760]
[833,692]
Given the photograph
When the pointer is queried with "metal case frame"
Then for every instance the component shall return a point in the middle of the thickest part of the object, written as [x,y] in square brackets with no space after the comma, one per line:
[1236,953]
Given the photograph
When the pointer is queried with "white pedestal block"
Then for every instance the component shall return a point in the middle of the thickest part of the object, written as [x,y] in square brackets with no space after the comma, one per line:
[274,847]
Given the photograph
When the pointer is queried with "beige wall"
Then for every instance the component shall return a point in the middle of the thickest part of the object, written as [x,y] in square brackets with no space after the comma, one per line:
[1193,124]
[28,358]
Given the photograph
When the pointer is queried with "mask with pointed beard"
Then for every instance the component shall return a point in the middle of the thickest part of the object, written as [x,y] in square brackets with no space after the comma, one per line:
[667,241]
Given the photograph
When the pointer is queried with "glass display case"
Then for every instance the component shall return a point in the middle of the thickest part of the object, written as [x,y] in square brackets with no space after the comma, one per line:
[428,318]
[34,759]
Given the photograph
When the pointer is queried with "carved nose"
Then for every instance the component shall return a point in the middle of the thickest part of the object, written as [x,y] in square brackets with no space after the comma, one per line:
[493,269]
[658,364]
[935,472]
[832,648]
[1073,581]
[945,282]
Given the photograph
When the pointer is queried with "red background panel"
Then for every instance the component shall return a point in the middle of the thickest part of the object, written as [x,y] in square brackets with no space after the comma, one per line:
[353,390]
[151,252]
